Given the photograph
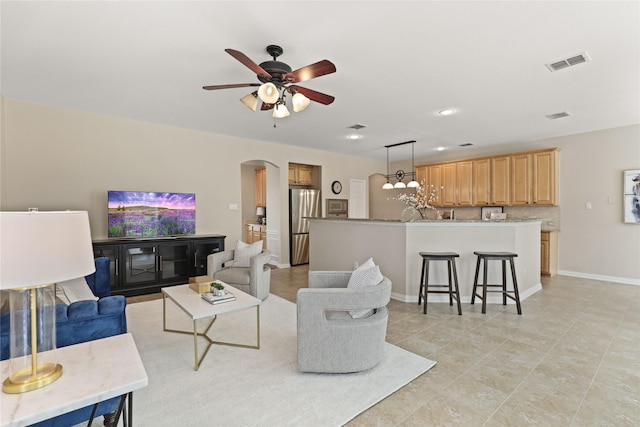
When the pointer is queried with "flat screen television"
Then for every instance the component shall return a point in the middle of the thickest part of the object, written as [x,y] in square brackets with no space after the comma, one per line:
[145,214]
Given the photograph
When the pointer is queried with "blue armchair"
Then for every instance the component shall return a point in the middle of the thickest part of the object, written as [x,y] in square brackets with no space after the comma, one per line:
[79,322]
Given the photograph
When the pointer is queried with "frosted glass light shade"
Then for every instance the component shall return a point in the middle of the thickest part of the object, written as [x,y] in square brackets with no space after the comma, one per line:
[280,111]
[300,102]
[387,186]
[268,93]
[399,184]
[413,184]
[251,101]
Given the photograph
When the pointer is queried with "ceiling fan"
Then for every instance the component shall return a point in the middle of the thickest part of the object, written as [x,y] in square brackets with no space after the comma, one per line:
[277,80]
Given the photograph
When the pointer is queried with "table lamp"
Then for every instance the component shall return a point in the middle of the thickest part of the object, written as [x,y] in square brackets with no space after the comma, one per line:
[38,249]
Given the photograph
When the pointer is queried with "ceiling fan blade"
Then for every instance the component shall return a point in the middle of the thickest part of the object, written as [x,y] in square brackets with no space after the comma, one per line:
[313,95]
[231,86]
[309,72]
[244,59]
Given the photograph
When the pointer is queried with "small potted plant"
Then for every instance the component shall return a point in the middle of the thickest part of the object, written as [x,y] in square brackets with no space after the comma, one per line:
[217,288]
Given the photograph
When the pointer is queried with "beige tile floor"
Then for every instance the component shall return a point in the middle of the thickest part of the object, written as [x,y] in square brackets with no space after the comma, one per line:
[571,359]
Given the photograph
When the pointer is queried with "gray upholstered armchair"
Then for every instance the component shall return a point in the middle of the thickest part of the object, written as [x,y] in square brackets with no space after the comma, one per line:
[254,280]
[329,339]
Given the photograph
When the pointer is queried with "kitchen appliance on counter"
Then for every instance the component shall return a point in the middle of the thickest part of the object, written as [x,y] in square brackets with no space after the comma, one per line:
[303,204]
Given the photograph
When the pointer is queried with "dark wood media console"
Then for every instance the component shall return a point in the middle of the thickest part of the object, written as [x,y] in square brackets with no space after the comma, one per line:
[143,266]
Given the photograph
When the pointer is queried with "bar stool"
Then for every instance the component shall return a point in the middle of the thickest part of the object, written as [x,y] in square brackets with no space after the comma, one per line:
[496,256]
[453,289]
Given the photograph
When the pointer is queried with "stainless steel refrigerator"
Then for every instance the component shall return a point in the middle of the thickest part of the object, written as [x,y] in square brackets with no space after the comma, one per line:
[302,203]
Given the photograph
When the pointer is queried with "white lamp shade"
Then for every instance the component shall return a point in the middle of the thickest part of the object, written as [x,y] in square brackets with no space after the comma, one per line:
[387,186]
[251,101]
[280,111]
[260,211]
[268,93]
[38,248]
[300,102]
[399,184]
[413,184]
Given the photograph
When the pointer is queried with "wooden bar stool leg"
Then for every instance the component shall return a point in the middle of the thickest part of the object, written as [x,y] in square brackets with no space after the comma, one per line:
[475,281]
[484,287]
[455,281]
[504,282]
[426,287]
[450,285]
[421,281]
[515,286]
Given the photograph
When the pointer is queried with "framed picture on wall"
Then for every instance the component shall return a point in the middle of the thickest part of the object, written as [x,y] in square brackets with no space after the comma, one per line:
[632,196]
[488,210]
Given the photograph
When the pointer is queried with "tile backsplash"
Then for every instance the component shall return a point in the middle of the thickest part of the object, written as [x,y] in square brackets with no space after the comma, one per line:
[548,215]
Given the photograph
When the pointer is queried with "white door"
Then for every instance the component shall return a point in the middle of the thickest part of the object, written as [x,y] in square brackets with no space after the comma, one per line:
[357,198]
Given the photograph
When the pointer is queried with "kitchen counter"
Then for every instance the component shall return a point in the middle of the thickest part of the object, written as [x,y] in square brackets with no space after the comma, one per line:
[336,244]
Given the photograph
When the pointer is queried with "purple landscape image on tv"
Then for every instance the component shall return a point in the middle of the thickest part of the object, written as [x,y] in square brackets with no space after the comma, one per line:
[146,214]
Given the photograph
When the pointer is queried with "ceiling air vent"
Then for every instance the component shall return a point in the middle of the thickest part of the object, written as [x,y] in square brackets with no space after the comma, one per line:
[466,144]
[558,115]
[357,126]
[568,62]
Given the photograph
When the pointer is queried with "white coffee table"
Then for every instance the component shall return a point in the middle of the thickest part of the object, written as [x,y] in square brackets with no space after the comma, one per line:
[196,308]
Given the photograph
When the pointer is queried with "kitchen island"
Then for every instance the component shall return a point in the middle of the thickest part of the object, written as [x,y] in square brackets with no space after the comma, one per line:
[336,244]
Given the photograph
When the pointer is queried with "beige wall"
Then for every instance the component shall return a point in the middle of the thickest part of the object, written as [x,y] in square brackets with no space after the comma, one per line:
[54,158]
[593,243]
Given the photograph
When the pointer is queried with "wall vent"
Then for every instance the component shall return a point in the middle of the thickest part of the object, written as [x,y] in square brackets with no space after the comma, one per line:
[357,126]
[558,115]
[466,144]
[568,62]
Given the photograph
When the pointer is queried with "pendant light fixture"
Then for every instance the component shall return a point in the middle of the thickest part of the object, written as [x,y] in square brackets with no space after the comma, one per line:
[400,174]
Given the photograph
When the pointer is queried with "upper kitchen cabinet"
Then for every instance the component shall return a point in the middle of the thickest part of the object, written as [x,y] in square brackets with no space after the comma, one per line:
[261,187]
[481,182]
[545,177]
[521,179]
[449,182]
[464,179]
[300,174]
[500,178]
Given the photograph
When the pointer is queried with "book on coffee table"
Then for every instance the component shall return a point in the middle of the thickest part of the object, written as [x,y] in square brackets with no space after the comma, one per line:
[215,299]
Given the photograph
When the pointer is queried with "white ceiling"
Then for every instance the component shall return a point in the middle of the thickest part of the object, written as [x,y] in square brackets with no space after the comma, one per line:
[398,64]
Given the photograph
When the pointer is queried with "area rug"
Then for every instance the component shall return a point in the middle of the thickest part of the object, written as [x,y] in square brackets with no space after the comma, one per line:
[247,387]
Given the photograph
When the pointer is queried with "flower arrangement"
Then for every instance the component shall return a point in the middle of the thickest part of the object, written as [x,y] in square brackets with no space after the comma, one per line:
[419,201]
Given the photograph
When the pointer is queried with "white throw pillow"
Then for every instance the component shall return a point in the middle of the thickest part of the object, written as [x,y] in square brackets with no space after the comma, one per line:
[244,252]
[361,279]
[364,266]
[76,290]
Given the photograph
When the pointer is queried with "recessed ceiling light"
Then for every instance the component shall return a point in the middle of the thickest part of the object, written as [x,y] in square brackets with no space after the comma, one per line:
[354,136]
[440,148]
[446,112]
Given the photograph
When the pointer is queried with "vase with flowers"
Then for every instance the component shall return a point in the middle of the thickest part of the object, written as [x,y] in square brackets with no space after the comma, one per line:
[421,201]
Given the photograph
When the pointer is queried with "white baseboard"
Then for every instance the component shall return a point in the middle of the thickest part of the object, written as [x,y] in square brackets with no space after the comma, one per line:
[623,280]
[491,299]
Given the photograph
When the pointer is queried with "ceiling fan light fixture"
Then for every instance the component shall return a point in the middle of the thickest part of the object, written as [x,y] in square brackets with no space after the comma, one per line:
[250,100]
[280,111]
[268,93]
[300,102]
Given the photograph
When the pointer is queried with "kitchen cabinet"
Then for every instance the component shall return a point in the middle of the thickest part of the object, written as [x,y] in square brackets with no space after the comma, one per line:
[518,179]
[300,174]
[435,179]
[255,233]
[481,182]
[261,187]
[545,177]
[500,178]
[449,182]
[142,266]
[549,253]
[464,180]
[521,179]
